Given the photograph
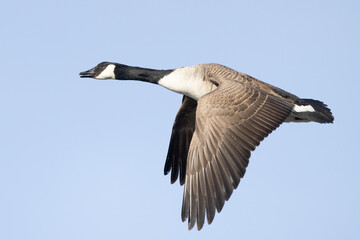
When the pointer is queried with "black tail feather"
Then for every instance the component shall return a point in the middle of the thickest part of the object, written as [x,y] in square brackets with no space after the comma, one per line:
[322,113]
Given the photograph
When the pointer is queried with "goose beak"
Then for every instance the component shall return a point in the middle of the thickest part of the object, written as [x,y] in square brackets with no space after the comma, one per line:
[88,74]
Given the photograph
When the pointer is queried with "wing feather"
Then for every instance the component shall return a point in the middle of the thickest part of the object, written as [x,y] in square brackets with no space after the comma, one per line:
[230,122]
[182,132]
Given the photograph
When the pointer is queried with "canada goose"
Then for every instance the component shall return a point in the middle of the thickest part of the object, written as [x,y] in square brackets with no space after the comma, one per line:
[224,115]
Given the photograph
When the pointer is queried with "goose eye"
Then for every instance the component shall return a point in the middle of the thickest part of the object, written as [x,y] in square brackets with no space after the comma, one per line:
[101,66]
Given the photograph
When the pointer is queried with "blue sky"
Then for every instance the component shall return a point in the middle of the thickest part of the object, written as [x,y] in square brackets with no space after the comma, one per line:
[83,159]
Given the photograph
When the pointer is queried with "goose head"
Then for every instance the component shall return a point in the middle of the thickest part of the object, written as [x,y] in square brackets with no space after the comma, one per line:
[111,70]
[104,70]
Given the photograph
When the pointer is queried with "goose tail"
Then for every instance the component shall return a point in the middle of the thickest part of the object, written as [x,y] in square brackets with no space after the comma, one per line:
[310,110]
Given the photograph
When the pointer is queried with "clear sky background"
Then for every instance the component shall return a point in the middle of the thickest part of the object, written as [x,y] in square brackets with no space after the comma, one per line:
[83,159]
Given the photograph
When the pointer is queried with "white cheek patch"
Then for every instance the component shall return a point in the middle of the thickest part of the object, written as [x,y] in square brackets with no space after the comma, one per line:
[107,73]
[305,108]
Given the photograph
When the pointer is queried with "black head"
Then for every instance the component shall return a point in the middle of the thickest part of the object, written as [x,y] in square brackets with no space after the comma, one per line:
[111,70]
[104,70]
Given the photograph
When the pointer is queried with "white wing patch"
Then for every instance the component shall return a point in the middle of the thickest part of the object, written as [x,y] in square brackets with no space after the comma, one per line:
[107,73]
[305,108]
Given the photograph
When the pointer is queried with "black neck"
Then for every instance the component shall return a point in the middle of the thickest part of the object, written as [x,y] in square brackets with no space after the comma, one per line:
[124,72]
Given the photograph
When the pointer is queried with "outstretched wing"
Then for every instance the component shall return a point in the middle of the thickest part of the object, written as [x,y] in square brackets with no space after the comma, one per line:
[230,122]
[182,132]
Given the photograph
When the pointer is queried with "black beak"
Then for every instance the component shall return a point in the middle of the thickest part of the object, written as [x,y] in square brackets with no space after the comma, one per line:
[88,74]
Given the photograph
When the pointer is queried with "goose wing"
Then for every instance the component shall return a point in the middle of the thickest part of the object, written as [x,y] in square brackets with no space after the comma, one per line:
[230,122]
[182,132]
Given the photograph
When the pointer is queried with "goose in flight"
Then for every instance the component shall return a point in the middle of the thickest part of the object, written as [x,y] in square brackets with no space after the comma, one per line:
[224,115]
